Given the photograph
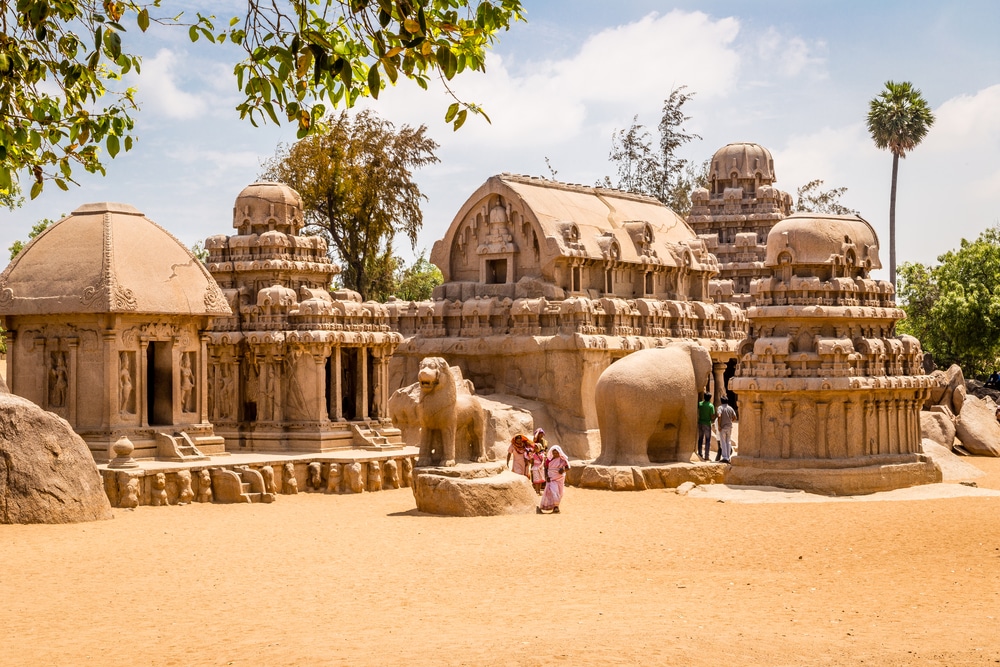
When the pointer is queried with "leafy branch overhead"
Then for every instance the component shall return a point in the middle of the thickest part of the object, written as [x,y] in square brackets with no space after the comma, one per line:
[301,53]
[63,103]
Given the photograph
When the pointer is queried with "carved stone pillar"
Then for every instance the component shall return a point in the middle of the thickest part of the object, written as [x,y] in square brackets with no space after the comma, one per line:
[822,435]
[11,338]
[319,407]
[74,374]
[109,416]
[787,408]
[337,397]
[142,374]
[363,383]
[202,386]
[718,381]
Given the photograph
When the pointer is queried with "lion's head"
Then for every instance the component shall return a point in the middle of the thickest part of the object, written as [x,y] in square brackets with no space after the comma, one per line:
[432,371]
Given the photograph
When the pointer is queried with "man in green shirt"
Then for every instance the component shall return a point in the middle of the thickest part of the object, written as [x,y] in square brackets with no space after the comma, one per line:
[706,415]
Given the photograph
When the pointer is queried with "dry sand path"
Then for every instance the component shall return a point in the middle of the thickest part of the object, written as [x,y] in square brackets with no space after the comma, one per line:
[647,578]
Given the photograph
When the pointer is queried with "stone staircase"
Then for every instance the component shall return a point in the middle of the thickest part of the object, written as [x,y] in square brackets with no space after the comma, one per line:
[177,447]
[240,485]
[375,436]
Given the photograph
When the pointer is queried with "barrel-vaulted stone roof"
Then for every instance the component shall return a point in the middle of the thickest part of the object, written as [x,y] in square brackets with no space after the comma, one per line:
[567,221]
[108,257]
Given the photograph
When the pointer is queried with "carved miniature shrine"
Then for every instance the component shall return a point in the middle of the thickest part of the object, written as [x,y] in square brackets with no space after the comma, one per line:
[734,215]
[106,316]
[829,397]
[295,367]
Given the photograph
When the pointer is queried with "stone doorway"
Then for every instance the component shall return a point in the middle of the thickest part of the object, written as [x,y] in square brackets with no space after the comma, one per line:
[159,383]
[349,383]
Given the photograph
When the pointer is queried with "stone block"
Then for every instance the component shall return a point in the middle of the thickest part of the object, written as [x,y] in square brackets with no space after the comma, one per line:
[505,493]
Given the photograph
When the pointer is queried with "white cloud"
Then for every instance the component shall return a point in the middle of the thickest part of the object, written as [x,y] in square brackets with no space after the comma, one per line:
[790,56]
[159,91]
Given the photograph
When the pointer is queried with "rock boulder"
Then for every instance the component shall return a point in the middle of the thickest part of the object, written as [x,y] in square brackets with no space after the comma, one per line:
[938,425]
[47,474]
[487,495]
[977,427]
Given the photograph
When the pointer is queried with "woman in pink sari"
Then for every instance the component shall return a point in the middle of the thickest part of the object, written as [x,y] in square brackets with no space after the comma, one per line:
[555,473]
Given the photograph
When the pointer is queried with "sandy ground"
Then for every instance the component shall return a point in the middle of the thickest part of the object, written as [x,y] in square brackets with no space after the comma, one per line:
[647,578]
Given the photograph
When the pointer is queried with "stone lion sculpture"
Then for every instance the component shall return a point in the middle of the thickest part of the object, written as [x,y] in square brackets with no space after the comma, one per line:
[446,415]
[647,405]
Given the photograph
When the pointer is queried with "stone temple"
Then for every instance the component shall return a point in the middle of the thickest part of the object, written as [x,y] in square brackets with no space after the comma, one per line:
[107,318]
[547,283]
[295,367]
[248,375]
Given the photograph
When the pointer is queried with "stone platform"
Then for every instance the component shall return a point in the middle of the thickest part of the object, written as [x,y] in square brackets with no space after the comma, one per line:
[257,477]
[837,477]
[472,489]
[641,478]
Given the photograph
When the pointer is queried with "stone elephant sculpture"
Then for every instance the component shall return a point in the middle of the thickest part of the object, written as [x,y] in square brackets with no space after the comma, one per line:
[647,404]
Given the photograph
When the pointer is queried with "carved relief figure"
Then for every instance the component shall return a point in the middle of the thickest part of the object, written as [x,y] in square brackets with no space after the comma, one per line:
[374,476]
[295,399]
[289,485]
[391,475]
[58,380]
[128,490]
[158,496]
[204,486]
[352,472]
[407,472]
[125,384]
[187,383]
[333,478]
[267,472]
[314,476]
[266,399]
[227,394]
[184,493]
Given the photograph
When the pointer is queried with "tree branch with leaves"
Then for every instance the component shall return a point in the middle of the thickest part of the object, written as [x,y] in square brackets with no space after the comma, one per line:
[63,104]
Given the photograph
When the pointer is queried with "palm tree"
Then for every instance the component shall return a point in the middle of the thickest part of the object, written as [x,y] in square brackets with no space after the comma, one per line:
[898,119]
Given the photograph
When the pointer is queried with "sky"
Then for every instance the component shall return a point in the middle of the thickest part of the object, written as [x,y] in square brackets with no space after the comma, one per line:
[796,77]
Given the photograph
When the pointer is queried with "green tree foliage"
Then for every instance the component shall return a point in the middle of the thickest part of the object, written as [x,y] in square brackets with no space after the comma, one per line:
[357,188]
[61,64]
[898,119]
[811,199]
[16,247]
[417,281]
[954,307]
[657,172]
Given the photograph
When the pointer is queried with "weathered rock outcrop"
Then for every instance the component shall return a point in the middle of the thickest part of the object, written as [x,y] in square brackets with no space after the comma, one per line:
[47,474]
[977,427]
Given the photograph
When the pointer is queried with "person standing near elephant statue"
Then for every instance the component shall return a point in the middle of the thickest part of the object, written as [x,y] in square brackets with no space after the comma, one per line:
[706,415]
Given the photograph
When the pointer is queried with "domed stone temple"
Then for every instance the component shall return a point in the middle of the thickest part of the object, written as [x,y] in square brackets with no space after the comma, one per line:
[107,317]
[294,367]
[734,215]
[829,397]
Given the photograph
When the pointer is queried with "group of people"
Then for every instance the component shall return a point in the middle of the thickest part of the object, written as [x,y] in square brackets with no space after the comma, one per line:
[545,466]
[707,414]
